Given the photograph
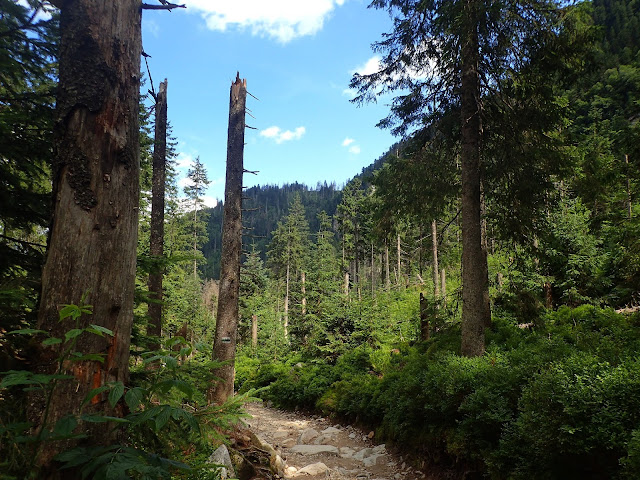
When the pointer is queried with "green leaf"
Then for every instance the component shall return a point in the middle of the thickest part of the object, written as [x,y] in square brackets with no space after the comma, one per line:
[79,357]
[65,426]
[69,311]
[99,330]
[116,393]
[51,341]
[25,331]
[163,417]
[103,419]
[94,392]
[133,398]
[73,333]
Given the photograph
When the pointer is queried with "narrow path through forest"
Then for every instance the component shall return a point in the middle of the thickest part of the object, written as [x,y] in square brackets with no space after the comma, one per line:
[314,447]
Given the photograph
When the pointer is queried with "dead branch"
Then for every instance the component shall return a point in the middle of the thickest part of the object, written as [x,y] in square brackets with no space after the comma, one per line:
[165,6]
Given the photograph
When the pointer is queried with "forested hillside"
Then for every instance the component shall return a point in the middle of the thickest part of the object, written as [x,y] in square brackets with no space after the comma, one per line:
[472,297]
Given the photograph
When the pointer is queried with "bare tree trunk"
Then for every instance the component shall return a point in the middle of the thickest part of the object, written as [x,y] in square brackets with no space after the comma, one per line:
[303,279]
[434,241]
[224,344]
[286,305]
[424,318]
[156,241]
[373,277]
[629,205]
[399,259]
[387,271]
[254,331]
[476,312]
[346,284]
[443,281]
[94,229]
[195,240]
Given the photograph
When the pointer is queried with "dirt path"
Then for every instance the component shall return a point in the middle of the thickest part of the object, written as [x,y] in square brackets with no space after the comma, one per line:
[314,447]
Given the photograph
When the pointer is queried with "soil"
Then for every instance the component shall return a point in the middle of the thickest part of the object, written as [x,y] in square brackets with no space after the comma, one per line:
[354,455]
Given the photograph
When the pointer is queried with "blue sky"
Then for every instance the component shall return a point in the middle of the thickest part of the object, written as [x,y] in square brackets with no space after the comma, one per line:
[298,57]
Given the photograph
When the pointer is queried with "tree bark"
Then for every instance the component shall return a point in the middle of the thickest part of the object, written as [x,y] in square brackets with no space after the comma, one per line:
[303,279]
[254,331]
[224,344]
[387,272]
[629,204]
[286,304]
[476,313]
[424,318]
[346,284]
[436,270]
[156,241]
[399,259]
[94,230]
[443,281]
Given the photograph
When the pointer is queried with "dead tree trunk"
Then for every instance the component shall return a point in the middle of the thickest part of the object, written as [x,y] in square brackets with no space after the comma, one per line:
[156,240]
[254,331]
[94,230]
[224,344]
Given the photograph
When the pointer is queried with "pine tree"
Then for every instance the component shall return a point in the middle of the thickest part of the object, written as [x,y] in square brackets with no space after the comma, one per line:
[195,190]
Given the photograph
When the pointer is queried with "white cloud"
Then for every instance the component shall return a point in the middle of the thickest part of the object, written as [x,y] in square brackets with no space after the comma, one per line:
[209,201]
[280,136]
[353,148]
[44,10]
[373,65]
[282,20]
[184,161]
[184,182]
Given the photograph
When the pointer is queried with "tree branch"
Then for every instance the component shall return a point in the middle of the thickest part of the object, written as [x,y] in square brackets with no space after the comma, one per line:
[165,6]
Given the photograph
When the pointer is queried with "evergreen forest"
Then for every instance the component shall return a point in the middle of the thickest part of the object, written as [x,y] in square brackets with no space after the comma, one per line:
[472,297]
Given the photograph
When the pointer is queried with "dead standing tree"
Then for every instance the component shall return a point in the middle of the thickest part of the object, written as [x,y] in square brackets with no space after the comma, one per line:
[224,344]
[94,229]
[156,241]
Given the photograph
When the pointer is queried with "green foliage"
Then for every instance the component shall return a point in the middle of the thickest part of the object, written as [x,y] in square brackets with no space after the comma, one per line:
[167,411]
[558,402]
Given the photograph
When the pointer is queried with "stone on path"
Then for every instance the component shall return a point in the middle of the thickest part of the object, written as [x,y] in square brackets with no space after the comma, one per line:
[288,443]
[307,436]
[314,449]
[221,457]
[313,469]
[280,434]
[330,431]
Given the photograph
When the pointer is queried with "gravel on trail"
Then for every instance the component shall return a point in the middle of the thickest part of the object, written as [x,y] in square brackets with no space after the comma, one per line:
[314,447]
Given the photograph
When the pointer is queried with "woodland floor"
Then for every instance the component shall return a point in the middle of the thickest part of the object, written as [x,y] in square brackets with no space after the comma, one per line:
[347,452]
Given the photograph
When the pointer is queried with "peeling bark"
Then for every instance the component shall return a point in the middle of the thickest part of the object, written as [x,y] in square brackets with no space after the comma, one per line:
[94,230]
